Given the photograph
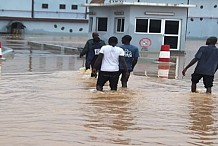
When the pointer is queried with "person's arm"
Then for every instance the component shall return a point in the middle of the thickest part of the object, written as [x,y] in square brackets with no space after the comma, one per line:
[192,62]
[134,62]
[85,49]
[136,56]
[97,62]
[122,60]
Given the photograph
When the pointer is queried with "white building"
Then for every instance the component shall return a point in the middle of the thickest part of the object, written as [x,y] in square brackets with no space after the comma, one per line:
[150,24]
[43,16]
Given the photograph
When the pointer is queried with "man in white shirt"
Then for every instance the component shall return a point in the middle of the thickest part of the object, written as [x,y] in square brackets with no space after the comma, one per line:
[109,57]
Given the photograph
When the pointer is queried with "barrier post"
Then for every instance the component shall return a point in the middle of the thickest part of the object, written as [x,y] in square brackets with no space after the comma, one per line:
[164,55]
[164,59]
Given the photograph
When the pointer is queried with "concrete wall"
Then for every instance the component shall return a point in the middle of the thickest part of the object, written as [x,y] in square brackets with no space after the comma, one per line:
[23,8]
[55,27]
[54,11]
[203,20]
[15,8]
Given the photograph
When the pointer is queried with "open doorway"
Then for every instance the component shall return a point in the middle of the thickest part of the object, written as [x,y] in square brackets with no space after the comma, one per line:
[16,28]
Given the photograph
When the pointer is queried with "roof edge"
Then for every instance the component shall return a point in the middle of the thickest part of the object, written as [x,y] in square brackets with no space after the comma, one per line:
[138,4]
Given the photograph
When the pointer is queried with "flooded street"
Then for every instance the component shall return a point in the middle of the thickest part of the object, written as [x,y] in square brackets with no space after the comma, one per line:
[46,100]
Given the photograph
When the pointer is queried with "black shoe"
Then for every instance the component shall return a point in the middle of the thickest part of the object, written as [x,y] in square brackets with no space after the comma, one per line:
[99,88]
[93,75]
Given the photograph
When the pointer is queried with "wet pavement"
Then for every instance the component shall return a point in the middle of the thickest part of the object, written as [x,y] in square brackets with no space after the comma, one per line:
[47,100]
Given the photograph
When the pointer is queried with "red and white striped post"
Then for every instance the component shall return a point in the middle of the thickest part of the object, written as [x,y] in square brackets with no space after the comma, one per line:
[163,71]
[164,59]
[164,55]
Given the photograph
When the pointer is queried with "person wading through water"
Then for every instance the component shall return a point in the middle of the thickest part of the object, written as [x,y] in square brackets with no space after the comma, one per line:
[109,58]
[207,64]
[131,57]
[91,50]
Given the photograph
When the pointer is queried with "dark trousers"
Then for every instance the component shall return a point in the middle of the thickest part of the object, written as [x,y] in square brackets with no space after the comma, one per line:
[105,76]
[124,78]
[207,80]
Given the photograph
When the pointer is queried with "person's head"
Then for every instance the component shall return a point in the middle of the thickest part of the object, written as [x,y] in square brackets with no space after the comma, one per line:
[112,41]
[211,40]
[95,34]
[126,39]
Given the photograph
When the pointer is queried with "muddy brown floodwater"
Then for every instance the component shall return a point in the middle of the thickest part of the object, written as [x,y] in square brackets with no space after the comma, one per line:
[48,101]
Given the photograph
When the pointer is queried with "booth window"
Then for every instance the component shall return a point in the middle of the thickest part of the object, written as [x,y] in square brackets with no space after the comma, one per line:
[74,7]
[148,25]
[142,25]
[171,27]
[44,6]
[155,26]
[102,24]
[171,33]
[62,6]
[172,41]
[119,24]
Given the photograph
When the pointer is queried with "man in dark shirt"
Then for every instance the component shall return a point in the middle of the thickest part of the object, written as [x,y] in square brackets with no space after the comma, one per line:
[131,57]
[91,50]
[207,58]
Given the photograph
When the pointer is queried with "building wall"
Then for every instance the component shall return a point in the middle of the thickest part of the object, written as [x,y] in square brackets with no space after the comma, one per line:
[57,27]
[164,1]
[203,20]
[157,39]
[12,8]
[130,14]
[22,11]
[54,11]
[150,1]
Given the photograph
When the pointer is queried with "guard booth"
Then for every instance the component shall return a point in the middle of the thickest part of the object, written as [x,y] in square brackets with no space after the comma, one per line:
[150,24]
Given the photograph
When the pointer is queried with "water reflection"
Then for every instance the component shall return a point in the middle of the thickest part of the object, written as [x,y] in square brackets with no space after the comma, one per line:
[40,61]
[30,61]
[203,123]
[150,67]
[0,68]
[111,111]
[40,58]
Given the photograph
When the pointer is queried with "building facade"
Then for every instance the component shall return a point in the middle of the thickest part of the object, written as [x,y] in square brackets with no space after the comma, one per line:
[202,20]
[43,16]
[150,24]
[66,17]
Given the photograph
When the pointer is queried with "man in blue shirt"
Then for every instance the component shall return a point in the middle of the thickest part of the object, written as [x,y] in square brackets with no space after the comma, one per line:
[131,57]
[207,58]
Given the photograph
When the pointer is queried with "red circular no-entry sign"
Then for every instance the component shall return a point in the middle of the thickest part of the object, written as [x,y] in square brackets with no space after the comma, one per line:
[145,42]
